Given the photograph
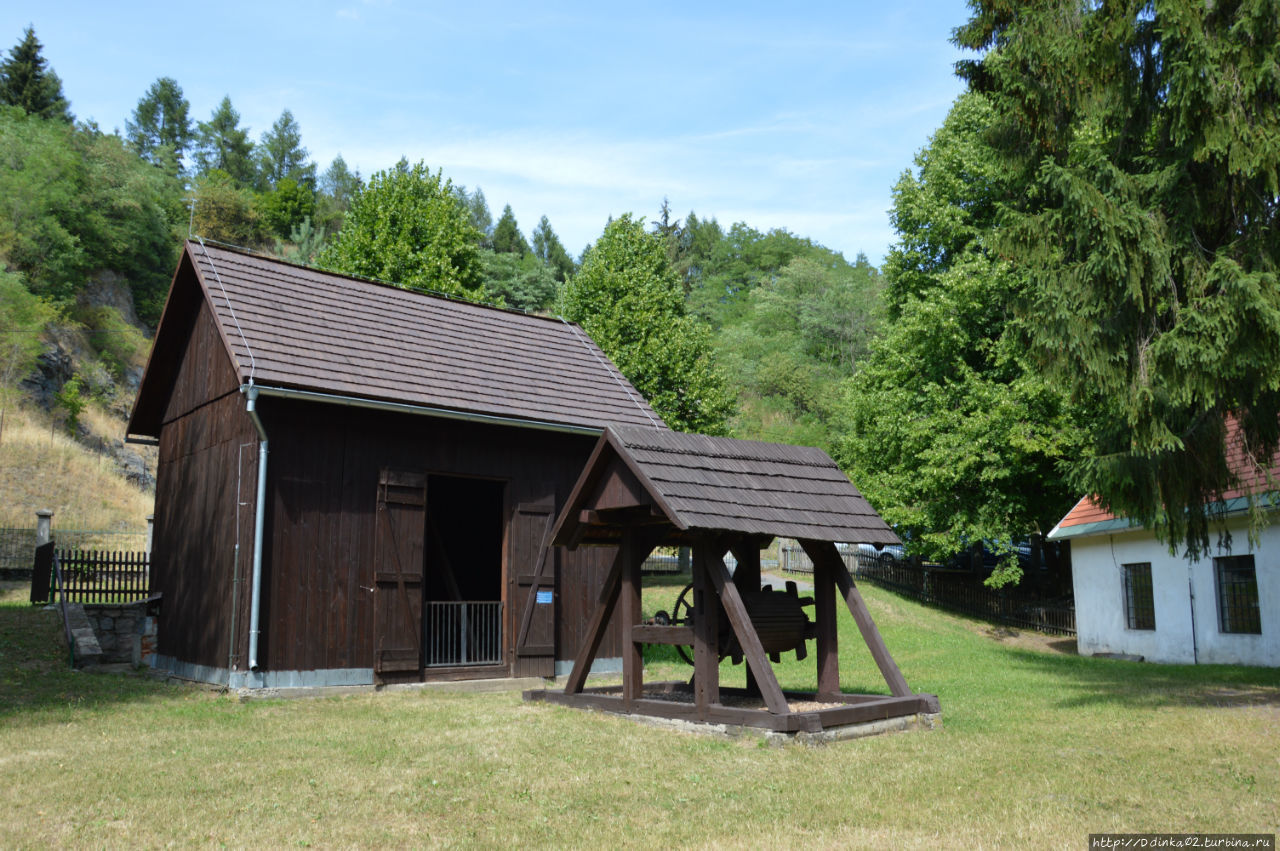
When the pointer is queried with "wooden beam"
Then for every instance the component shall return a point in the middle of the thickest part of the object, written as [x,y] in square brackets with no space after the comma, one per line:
[655,634]
[826,552]
[595,629]
[825,628]
[747,638]
[747,577]
[706,630]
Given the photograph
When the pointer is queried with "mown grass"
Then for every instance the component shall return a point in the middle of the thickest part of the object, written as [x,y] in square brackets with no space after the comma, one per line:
[1037,750]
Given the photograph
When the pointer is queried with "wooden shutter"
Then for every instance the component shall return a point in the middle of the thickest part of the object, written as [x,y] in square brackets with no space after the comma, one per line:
[533,597]
[398,566]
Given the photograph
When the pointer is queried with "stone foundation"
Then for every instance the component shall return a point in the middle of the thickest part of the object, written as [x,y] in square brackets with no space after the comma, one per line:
[125,633]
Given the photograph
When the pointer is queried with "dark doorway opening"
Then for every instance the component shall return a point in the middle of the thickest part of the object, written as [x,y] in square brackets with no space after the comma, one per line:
[462,624]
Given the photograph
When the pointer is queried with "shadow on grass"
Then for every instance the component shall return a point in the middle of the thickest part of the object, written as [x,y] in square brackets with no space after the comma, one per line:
[1085,681]
[36,679]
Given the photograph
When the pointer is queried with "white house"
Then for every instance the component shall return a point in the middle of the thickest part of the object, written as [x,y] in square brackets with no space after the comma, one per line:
[1134,597]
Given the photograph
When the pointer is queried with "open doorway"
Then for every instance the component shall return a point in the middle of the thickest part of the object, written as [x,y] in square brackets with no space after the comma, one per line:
[462,618]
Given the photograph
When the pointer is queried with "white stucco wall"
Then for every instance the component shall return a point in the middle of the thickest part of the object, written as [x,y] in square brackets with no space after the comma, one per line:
[1099,596]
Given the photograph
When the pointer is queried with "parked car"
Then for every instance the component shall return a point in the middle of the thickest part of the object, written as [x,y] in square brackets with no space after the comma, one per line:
[887,554]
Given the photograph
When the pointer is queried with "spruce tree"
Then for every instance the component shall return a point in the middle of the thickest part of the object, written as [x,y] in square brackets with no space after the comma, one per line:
[160,128]
[507,238]
[1143,144]
[222,144]
[27,81]
[549,249]
[281,155]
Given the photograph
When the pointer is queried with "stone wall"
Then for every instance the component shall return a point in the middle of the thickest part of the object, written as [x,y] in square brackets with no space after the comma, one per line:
[126,633]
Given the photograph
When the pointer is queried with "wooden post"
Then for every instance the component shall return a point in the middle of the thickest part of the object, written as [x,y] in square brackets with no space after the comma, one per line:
[706,631]
[632,654]
[824,614]
[826,552]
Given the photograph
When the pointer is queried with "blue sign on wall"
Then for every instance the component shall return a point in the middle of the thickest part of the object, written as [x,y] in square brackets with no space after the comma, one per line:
[544,598]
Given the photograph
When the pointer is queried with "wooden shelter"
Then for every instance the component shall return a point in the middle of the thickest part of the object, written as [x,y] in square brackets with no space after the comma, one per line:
[643,488]
[419,451]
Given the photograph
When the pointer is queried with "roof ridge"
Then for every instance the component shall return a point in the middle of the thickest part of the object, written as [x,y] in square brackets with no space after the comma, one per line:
[438,295]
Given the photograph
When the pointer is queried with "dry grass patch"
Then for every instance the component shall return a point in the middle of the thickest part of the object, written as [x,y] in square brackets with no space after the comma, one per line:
[42,467]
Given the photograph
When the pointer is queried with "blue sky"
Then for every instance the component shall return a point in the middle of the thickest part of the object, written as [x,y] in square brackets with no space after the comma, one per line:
[800,118]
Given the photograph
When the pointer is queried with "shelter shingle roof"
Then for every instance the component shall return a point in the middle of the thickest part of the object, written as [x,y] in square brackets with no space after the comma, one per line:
[302,328]
[723,484]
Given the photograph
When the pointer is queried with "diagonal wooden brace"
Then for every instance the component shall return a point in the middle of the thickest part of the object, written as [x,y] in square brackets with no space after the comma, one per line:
[752,649]
[825,552]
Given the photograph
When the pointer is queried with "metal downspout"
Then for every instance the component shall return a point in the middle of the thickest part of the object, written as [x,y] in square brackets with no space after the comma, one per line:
[259,520]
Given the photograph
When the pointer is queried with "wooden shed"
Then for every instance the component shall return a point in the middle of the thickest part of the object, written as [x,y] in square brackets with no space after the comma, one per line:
[643,488]
[358,483]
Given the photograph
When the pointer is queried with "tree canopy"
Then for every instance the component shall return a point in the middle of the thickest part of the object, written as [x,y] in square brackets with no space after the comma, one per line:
[160,128]
[950,429]
[408,227]
[27,81]
[629,300]
[507,238]
[77,201]
[280,154]
[222,144]
[549,249]
[1143,147]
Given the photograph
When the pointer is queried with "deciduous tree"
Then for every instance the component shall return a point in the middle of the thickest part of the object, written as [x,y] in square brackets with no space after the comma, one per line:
[629,300]
[408,227]
[949,428]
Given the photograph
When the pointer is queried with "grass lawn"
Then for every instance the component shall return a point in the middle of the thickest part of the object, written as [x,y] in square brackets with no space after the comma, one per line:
[1038,749]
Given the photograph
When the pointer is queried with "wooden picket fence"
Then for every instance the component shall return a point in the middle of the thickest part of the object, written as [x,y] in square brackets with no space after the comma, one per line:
[97,576]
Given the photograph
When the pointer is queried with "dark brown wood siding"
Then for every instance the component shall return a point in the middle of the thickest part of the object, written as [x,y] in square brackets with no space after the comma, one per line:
[208,447]
[323,473]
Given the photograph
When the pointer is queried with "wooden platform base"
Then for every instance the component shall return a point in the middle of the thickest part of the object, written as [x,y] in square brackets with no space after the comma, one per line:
[808,712]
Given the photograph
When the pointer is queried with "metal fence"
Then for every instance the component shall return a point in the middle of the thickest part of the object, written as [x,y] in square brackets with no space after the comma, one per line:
[662,560]
[957,591]
[466,633]
[17,546]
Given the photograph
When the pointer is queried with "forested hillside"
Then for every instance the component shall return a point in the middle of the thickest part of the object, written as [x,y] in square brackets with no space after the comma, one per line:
[1082,293]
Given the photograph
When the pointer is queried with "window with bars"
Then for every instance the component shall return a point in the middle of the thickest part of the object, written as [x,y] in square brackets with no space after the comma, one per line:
[1139,599]
[1237,594]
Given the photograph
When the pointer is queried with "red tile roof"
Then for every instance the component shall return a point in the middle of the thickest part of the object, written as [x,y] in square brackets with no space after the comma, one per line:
[1252,476]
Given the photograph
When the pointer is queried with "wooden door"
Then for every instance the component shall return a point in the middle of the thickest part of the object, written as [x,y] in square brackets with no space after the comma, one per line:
[398,565]
[534,587]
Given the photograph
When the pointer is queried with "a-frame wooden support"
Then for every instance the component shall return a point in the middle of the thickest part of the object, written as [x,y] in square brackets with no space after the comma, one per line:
[828,567]
[715,589]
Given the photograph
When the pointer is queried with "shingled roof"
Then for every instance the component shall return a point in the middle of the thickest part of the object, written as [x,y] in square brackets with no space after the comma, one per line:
[298,328]
[700,483]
